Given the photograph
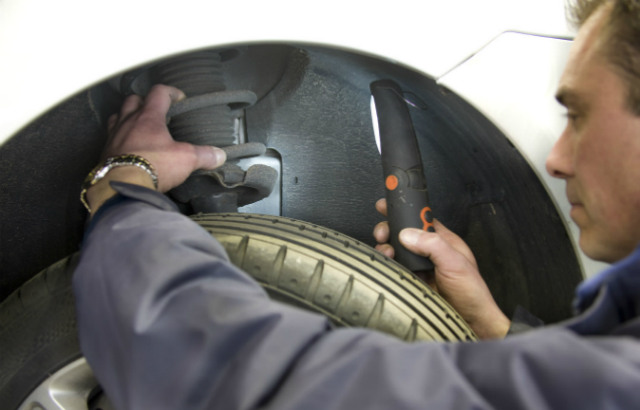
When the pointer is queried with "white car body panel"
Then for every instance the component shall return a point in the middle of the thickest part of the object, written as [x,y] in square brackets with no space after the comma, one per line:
[50,50]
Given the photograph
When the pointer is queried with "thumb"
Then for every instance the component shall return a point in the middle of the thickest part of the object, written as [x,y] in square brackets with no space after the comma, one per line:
[209,157]
[428,244]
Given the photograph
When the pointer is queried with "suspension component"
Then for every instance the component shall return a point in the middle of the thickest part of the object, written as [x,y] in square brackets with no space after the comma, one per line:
[208,116]
[196,74]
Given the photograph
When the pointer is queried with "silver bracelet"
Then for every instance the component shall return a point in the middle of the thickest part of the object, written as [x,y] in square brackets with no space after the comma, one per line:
[103,169]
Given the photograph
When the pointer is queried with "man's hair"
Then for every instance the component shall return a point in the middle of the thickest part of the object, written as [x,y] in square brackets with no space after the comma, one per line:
[621,35]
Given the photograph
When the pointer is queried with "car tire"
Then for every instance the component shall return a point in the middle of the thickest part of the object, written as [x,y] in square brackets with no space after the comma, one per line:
[296,262]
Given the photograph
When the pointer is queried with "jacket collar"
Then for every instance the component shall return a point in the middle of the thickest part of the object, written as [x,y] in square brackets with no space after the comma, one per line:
[608,299]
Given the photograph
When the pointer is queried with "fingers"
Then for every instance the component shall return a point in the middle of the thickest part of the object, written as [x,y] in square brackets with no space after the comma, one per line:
[156,104]
[209,157]
[386,250]
[381,232]
[381,206]
[160,99]
[131,104]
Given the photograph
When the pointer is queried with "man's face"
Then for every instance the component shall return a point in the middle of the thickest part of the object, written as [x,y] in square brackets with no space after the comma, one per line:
[598,153]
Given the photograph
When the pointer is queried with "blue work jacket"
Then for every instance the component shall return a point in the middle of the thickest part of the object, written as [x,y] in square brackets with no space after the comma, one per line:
[167,322]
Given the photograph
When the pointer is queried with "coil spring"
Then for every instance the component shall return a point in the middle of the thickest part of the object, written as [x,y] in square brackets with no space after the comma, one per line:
[196,74]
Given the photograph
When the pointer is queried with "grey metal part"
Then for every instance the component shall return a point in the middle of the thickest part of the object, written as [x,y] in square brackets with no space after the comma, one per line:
[239,99]
[198,120]
[215,203]
[272,204]
[250,149]
[206,118]
[67,389]
[203,186]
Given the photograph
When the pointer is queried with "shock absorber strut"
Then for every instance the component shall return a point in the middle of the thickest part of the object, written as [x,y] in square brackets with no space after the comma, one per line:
[209,116]
[197,74]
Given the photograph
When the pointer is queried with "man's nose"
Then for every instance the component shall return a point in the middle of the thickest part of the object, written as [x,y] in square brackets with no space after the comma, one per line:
[560,160]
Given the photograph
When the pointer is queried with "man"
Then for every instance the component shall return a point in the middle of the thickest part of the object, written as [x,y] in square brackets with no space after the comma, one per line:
[598,155]
[166,322]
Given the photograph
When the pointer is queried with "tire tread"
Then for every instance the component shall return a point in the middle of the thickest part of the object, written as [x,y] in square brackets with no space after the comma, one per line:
[283,239]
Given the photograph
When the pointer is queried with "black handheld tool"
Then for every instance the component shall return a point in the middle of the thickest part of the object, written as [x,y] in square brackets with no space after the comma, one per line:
[406,188]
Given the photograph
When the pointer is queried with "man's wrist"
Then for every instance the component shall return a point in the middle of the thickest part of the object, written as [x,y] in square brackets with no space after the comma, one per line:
[101,192]
[492,325]
[500,328]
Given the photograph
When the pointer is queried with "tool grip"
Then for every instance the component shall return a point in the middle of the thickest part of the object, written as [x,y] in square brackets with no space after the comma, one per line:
[406,188]
[408,207]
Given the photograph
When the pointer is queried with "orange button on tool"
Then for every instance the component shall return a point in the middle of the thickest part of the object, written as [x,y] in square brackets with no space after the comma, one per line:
[392,182]
[426,217]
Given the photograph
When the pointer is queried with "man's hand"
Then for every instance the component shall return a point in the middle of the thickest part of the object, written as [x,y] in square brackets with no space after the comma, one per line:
[457,277]
[140,129]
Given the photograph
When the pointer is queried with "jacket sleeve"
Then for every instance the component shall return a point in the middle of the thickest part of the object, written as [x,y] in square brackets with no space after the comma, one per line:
[523,321]
[166,322]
